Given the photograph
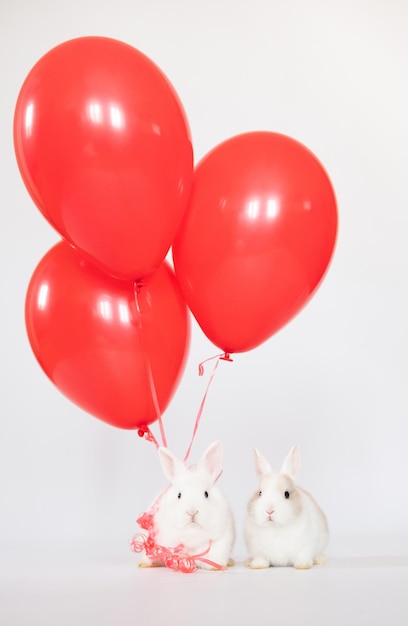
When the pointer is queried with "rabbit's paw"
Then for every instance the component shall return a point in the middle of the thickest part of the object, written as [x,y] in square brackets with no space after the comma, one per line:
[257,563]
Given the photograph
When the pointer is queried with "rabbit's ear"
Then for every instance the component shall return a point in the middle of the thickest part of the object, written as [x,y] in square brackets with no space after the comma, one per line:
[292,463]
[211,460]
[171,465]
[262,466]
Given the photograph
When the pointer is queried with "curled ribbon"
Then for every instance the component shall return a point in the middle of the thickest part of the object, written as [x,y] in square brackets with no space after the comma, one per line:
[176,558]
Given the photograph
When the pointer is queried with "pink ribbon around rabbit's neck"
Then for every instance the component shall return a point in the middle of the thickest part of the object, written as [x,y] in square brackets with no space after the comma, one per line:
[176,558]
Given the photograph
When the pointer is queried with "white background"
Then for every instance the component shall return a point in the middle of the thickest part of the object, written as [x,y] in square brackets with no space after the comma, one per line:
[333,75]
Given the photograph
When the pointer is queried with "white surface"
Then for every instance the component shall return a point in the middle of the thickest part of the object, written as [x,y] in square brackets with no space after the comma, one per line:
[331,74]
[105,589]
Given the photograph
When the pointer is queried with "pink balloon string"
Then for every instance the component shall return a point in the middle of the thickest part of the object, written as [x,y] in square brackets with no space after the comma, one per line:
[146,431]
[176,558]
[220,357]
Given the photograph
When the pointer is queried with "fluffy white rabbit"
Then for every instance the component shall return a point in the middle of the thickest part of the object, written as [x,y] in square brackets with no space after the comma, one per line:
[193,512]
[284,525]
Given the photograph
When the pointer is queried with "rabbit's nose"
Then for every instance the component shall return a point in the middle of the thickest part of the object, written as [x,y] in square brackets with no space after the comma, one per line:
[270,512]
[192,513]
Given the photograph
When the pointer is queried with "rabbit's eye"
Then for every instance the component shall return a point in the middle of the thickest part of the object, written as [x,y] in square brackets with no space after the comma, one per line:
[287,494]
[260,493]
[179,495]
[205,494]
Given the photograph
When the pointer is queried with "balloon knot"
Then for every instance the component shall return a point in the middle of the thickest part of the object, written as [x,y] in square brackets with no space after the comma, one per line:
[138,286]
[145,433]
[220,357]
[142,431]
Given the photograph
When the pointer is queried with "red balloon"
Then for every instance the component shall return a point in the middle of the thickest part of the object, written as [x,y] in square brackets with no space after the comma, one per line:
[98,339]
[256,238]
[104,149]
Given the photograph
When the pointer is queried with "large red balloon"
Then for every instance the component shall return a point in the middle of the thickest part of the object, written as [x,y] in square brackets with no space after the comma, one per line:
[101,342]
[104,149]
[256,238]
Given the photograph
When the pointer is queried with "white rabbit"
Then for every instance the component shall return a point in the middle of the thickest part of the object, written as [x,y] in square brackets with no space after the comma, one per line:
[192,511]
[284,525]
